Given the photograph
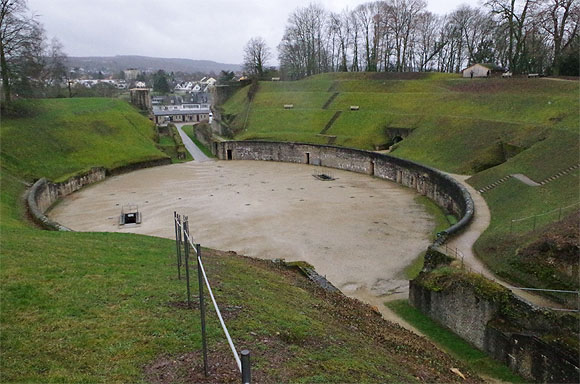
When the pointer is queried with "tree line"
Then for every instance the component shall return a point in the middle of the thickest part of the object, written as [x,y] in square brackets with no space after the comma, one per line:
[522,36]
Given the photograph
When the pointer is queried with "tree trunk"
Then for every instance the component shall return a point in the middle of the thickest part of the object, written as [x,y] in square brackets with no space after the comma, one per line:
[5,77]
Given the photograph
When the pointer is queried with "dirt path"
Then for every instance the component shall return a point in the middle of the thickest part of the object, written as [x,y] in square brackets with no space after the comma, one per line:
[465,240]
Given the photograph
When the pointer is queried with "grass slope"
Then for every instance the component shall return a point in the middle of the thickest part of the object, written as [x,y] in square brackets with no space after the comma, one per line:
[102,307]
[489,128]
[65,136]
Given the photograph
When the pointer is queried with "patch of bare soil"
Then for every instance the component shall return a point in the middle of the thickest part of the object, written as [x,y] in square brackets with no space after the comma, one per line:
[398,75]
[558,246]
[414,354]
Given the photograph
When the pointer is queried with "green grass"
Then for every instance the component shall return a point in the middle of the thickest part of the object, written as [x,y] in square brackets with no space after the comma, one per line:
[99,307]
[65,136]
[442,222]
[453,344]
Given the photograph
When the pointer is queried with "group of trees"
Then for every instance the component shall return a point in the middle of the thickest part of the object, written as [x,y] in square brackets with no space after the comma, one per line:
[29,65]
[401,35]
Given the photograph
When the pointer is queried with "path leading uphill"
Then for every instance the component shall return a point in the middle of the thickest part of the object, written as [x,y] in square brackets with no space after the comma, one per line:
[465,240]
[197,154]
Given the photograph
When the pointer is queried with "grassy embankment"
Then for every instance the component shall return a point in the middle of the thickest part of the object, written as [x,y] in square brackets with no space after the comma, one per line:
[488,128]
[107,307]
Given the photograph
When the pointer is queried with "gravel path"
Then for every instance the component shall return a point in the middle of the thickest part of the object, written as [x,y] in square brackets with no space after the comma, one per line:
[197,154]
[465,240]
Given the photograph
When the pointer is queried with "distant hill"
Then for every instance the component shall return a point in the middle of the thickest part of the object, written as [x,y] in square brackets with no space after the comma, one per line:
[114,64]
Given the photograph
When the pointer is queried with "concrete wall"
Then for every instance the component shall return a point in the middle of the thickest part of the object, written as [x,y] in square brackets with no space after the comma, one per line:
[446,192]
[513,340]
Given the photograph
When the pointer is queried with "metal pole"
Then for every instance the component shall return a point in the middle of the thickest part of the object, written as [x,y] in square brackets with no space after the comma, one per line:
[175,225]
[246,371]
[186,233]
[201,308]
[178,241]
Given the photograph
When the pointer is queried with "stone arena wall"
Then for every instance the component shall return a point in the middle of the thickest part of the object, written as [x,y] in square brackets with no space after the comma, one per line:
[442,189]
[44,193]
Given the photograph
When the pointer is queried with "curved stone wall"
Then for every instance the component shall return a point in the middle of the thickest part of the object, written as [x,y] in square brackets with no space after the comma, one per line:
[439,187]
[44,193]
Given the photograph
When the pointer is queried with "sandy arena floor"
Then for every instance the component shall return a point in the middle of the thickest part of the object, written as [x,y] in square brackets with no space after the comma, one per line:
[358,231]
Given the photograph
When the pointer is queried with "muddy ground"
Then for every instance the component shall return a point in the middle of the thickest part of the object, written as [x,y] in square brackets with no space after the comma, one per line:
[358,231]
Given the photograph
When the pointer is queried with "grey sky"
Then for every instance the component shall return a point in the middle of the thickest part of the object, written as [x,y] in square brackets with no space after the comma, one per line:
[204,30]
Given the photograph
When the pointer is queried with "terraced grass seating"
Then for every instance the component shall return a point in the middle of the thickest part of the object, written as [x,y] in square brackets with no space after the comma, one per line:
[530,182]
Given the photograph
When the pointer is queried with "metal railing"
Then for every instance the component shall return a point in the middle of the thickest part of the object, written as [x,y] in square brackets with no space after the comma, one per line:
[458,255]
[533,221]
[184,240]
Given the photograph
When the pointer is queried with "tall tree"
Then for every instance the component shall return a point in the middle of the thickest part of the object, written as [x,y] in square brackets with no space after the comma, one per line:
[560,19]
[513,14]
[302,51]
[256,55]
[21,38]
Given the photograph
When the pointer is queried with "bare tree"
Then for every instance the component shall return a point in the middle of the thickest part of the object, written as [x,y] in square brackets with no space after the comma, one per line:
[513,14]
[560,19]
[21,39]
[256,55]
[302,51]
[428,30]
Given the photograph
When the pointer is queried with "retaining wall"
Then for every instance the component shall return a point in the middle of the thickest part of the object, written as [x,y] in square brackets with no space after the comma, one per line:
[44,193]
[444,190]
[514,338]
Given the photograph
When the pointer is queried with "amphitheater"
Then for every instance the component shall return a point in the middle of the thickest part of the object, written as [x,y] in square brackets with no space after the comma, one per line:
[358,231]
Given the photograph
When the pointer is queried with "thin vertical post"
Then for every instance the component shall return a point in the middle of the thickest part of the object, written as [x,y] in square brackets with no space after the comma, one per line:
[246,370]
[178,241]
[175,225]
[201,308]
[186,236]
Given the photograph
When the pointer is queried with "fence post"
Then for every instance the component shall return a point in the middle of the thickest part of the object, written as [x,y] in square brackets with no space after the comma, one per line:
[178,242]
[186,256]
[201,308]
[175,226]
[246,370]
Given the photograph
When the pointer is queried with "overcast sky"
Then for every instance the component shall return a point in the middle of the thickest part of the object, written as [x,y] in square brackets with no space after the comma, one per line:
[203,30]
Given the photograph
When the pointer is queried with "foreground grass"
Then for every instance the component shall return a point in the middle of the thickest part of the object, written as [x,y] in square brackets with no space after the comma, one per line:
[453,344]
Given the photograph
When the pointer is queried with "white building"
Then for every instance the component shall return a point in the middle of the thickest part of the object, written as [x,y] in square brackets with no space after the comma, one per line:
[481,70]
